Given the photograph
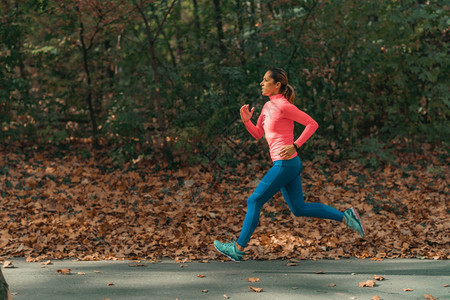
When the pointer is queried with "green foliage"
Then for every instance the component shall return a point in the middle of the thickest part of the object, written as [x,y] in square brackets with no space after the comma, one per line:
[367,71]
[127,126]
[373,153]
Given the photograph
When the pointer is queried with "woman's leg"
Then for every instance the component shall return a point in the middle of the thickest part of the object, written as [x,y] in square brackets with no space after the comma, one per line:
[272,182]
[293,194]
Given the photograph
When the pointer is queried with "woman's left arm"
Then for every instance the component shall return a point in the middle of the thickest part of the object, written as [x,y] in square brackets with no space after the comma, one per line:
[295,114]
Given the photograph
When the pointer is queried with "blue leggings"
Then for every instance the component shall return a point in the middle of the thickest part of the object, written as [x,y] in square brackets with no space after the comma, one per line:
[284,176]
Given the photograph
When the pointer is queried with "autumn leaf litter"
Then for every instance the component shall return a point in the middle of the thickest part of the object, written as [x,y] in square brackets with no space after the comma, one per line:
[80,208]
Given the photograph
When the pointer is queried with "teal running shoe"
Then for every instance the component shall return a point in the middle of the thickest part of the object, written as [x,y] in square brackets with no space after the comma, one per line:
[230,250]
[353,221]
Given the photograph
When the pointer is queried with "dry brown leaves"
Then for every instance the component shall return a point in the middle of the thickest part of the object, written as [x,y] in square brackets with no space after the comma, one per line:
[368,283]
[64,271]
[377,277]
[68,207]
[8,265]
[255,289]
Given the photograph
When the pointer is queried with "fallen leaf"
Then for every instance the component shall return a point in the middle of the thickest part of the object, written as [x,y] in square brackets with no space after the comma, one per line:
[320,272]
[64,271]
[136,258]
[332,285]
[137,265]
[408,290]
[204,291]
[226,296]
[291,264]
[429,297]
[81,273]
[253,279]
[8,264]
[48,262]
[379,278]
[445,285]
[368,283]
[255,289]
[376,297]
[376,259]
[96,271]
[201,276]
[30,259]
[110,283]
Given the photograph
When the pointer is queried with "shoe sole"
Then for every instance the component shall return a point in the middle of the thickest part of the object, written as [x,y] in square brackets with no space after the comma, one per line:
[226,255]
[360,221]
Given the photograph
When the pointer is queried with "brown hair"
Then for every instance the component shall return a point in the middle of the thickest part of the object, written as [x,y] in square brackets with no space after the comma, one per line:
[287,90]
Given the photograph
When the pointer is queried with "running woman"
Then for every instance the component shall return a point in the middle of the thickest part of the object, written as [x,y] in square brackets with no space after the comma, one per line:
[276,122]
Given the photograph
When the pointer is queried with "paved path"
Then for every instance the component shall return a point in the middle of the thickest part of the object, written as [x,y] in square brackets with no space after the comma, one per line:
[170,280]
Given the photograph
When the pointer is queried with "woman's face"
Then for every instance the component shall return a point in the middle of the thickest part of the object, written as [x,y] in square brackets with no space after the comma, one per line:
[268,85]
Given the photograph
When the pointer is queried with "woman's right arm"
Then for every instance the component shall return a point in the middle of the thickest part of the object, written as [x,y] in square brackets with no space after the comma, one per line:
[256,131]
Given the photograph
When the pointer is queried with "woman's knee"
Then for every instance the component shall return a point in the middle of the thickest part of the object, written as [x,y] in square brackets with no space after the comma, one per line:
[252,200]
[298,211]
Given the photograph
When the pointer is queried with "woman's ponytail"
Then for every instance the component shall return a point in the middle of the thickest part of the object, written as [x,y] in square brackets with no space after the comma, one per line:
[289,93]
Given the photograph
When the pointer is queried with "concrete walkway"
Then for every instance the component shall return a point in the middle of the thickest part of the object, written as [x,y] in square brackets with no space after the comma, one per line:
[335,279]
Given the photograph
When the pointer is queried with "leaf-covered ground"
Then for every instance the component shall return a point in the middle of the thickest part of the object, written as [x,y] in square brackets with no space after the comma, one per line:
[69,207]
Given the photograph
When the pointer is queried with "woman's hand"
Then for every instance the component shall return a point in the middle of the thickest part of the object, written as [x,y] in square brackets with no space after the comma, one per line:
[246,114]
[287,151]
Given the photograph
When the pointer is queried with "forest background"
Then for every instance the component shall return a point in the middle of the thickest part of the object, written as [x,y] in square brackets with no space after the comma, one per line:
[121,136]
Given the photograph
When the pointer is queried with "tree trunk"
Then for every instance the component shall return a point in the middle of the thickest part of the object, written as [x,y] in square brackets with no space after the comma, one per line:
[151,42]
[178,35]
[156,76]
[219,26]
[197,26]
[4,291]
[84,50]
[241,40]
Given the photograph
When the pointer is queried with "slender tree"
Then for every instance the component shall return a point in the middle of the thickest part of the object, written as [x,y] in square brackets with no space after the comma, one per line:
[152,36]
[219,27]
[241,41]
[95,22]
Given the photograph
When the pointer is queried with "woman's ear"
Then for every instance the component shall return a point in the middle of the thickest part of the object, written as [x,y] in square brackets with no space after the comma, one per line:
[278,85]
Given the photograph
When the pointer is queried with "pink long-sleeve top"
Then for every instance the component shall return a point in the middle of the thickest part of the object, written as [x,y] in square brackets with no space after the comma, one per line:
[276,121]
